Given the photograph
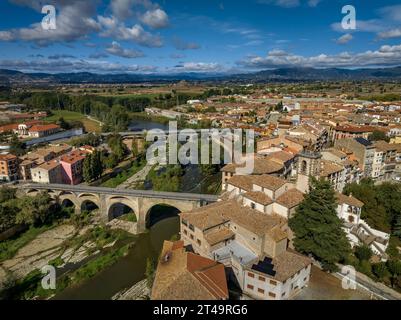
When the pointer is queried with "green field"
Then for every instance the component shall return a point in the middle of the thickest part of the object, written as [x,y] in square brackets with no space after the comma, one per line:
[90,125]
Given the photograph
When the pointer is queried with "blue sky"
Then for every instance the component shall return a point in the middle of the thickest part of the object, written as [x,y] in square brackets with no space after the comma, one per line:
[147,36]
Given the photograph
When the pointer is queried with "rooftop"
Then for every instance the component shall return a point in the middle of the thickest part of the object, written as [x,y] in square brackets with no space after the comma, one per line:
[181,275]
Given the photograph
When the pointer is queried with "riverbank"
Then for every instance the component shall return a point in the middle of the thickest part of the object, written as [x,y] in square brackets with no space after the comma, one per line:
[78,253]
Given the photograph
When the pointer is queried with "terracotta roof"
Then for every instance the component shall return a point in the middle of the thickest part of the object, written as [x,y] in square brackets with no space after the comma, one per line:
[225,211]
[337,153]
[289,263]
[261,166]
[269,182]
[259,197]
[329,167]
[74,157]
[216,236]
[355,129]
[7,157]
[384,146]
[242,182]
[350,200]
[291,198]
[44,127]
[9,127]
[280,156]
[182,275]
[49,165]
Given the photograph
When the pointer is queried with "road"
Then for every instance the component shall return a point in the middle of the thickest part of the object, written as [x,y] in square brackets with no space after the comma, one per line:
[135,193]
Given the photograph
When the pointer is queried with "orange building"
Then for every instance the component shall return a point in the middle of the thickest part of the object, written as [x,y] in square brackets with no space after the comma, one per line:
[8,167]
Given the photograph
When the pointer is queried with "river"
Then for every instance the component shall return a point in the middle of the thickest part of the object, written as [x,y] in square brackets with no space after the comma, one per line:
[128,270]
[131,269]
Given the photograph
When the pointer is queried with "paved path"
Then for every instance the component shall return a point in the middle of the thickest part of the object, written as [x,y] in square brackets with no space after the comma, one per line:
[140,176]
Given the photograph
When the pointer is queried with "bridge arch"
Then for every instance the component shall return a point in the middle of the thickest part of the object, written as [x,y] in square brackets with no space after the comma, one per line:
[118,206]
[67,199]
[159,209]
[89,205]
[32,191]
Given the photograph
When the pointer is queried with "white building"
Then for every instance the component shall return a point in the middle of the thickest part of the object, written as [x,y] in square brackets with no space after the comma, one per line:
[357,230]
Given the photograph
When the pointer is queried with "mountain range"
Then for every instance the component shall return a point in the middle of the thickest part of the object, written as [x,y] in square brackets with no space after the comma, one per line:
[281,74]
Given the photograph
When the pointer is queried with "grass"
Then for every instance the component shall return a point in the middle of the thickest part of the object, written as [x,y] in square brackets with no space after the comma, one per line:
[124,176]
[9,248]
[131,217]
[90,125]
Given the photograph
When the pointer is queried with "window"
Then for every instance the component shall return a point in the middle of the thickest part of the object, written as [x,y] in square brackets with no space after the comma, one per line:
[185,232]
[192,237]
[305,279]
[261,291]
[253,206]
[262,279]
[191,227]
[184,222]
[250,287]
[271,294]
[283,294]
[199,242]
[251,275]
[272,282]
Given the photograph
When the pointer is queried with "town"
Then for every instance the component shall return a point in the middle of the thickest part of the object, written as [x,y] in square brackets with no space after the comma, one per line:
[153,151]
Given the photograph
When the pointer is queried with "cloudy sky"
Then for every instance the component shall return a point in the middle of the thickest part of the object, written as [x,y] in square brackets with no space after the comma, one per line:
[149,36]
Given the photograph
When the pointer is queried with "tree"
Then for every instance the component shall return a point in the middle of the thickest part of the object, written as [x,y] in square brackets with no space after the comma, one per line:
[87,169]
[378,136]
[380,270]
[7,193]
[150,272]
[97,166]
[397,227]
[16,146]
[63,124]
[394,267]
[317,228]
[363,253]
[34,210]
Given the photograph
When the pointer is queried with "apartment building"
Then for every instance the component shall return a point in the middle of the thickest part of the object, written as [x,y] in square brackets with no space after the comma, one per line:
[386,153]
[48,172]
[44,130]
[253,245]
[358,232]
[363,150]
[8,167]
[72,166]
[278,163]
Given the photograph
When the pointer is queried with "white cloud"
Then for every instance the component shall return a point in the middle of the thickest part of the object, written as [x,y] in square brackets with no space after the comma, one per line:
[282,3]
[313,3]
[136,33]
[198,67]
[156,19]
[74,21]
[180,44]
[384,56]
[393,33]
[116,49]
[56,66]
[345,38]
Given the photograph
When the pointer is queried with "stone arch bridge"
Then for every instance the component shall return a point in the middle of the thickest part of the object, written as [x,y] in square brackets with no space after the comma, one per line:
[140,202]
